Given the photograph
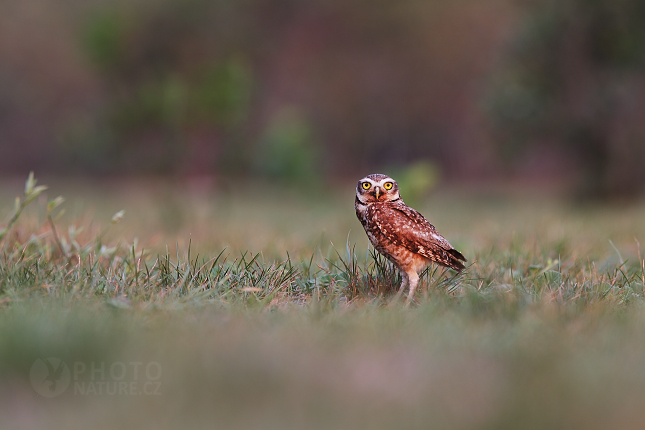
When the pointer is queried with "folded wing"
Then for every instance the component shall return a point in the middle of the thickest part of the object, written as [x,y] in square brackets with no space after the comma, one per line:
[406,227]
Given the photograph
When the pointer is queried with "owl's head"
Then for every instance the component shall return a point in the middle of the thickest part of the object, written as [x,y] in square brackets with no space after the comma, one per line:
[377,188]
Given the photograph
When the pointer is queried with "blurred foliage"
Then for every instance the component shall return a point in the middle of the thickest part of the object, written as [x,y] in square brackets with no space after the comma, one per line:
[416,180]
[223,93]
[158,98]
[287,151]
[574,78]
[195,87]
[104,39]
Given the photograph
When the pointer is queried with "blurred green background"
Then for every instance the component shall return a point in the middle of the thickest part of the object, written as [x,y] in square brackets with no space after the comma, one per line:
[537,90]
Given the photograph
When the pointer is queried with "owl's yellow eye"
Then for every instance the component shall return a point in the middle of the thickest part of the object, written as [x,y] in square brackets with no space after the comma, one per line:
[388,185]
[366,185]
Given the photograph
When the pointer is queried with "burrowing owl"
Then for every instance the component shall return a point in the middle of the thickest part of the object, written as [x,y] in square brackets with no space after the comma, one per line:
[399,232]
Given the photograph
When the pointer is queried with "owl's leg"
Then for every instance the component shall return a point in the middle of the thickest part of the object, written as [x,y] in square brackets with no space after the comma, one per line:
[413,280]
[404,283]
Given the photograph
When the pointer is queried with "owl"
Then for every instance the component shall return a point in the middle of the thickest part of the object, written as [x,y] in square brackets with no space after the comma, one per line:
[399,232]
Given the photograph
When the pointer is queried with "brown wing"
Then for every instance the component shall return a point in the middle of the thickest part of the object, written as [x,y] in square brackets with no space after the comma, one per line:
[406,227]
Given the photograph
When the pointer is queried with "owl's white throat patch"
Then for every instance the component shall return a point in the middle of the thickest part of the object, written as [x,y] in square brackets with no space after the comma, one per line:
[362,198]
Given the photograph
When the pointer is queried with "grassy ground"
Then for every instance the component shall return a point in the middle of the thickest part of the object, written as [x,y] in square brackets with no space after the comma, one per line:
[214,305]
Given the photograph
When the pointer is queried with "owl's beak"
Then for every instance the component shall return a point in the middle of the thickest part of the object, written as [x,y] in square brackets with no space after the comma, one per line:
[377,190]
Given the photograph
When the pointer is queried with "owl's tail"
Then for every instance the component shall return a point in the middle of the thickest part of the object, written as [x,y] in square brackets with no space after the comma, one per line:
[455,260]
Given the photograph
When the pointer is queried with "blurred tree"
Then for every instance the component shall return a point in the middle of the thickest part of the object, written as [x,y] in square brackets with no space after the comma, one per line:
[574,77]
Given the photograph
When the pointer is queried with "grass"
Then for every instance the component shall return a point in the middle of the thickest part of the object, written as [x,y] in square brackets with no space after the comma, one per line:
[257,321]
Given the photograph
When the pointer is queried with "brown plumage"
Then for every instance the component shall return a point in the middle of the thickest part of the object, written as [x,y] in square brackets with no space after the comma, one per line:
[399,232]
